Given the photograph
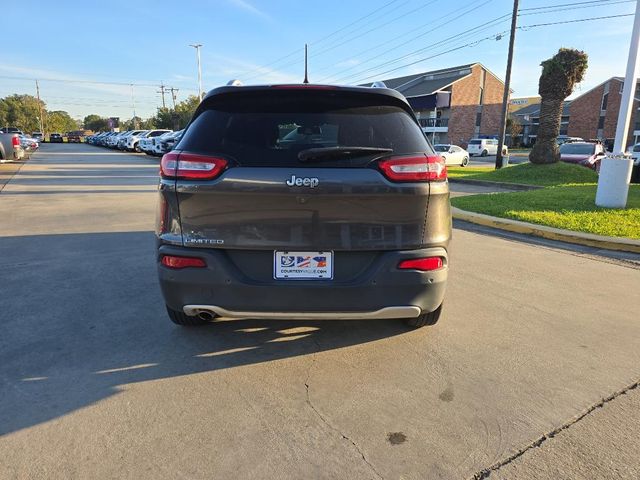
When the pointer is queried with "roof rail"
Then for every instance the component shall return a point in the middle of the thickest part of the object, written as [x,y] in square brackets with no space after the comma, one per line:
[234,83]
[378,85]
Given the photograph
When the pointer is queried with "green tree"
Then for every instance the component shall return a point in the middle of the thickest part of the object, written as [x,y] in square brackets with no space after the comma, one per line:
[60,121]
[95,123]
[179,117]
[21,111]
[560,74]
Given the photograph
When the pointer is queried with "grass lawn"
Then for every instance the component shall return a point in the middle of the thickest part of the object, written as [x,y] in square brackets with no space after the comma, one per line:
[528,173]
[571,207]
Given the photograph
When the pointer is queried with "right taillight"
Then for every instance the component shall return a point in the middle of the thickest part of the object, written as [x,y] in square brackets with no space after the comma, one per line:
[15,141]
[414,168]
[423,264]
[191,166]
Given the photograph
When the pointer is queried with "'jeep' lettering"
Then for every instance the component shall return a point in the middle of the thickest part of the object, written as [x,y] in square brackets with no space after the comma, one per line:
[311,182]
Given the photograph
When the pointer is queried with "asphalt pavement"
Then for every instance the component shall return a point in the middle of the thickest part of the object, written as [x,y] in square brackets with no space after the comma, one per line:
[531,372]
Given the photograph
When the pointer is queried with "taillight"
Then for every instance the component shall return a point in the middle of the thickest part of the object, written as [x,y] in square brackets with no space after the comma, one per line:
[422,264]
[191,166]
[414,168]
[15,141]
[173,261]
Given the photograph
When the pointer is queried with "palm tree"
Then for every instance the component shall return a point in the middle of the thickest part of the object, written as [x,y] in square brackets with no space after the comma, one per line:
[560,74]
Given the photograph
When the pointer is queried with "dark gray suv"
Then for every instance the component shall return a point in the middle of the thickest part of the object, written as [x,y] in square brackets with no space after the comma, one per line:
[303,202]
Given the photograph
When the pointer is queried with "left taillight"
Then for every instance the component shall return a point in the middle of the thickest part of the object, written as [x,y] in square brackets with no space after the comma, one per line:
[175,261]
[15,141]
[191,166]
[414,168]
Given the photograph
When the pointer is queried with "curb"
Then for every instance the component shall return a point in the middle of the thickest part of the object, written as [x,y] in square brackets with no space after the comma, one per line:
[487,183]
[587,239]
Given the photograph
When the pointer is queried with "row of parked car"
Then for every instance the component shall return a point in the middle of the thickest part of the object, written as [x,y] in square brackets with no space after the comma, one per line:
[152,142]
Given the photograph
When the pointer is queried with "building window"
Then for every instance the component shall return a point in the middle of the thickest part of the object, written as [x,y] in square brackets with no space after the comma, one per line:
[605,97]
[600,123]
[478,118]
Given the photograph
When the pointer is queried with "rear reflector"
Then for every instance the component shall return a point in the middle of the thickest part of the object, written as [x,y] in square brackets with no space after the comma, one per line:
[15,141]
[422,264]
[173,261]
[191,166]
[414,168]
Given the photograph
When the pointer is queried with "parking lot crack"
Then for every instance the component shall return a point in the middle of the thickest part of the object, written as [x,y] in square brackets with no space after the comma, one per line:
[324,420]
[486,472]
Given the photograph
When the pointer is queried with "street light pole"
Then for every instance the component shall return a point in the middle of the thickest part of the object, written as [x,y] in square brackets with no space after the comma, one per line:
[507,86]
[197,47]
[615,170]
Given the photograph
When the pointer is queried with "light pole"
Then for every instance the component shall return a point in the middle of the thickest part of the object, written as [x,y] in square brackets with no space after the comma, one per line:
[615,170]
[197,47]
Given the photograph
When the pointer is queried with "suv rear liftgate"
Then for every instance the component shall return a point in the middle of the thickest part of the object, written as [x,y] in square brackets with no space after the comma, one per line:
[303,202]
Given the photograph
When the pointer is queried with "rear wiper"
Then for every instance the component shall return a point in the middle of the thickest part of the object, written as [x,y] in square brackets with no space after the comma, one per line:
[330,153]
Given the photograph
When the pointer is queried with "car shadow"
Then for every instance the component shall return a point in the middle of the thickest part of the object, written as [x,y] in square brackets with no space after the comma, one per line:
[82,316]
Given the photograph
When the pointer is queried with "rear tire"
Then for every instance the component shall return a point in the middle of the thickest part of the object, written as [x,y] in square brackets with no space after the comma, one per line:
[426,319]
[180,318]
[465,161]
[484,153]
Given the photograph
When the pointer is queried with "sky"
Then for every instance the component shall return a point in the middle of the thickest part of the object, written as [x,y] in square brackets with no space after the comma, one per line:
[146,43]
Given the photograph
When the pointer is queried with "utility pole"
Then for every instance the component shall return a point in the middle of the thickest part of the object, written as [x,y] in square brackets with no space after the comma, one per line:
[507,87]
[162,92]
[133,104]
[173,96]
[40,108]
[615,169]
[197,47]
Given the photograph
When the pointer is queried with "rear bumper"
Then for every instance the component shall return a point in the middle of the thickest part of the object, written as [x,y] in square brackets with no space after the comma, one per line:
[378,290]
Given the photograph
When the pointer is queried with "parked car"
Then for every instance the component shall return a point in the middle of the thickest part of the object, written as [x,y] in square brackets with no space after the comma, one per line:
[10,147]
[356,226]
[567,139]
[164,143]
[588,154]
[484,147]
[39,136]
[146,141]
[29,144]
[452,154]
[11,130]
[133,140]
[56,138]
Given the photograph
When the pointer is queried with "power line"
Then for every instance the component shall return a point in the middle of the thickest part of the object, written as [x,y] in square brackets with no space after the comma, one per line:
[296,52]
[413,38]
[524,27]
[496,36]
[570,7]
[405,34]
[360,35]
[603,2]
[449,40]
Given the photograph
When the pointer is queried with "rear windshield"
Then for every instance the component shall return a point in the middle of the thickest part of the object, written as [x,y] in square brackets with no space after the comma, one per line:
[577,148]
[270,128]
[441,148]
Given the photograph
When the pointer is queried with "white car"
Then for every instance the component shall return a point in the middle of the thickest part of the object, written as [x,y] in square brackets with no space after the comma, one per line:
[484,147]
[452,154]
[634,151]
[145,143]
[157,147]
[133,139]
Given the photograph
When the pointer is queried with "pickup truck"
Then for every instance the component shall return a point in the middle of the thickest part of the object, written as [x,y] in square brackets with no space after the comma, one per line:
[10,147]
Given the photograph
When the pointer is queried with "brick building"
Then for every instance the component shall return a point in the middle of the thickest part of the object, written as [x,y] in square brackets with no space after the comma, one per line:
[455,104]
[594,114]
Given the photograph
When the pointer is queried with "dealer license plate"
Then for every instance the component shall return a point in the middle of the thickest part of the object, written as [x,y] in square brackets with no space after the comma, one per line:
[303,265]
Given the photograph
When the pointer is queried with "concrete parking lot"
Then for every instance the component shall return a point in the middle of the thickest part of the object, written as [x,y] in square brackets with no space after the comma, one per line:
[531,372]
